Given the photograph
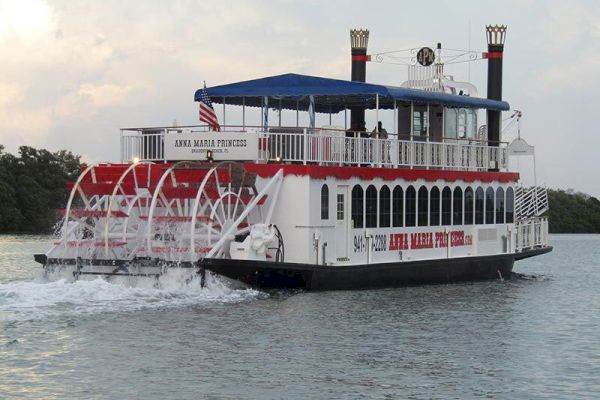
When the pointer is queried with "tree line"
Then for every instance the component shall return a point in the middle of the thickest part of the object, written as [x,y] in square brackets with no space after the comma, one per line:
[33,188]
[573,212]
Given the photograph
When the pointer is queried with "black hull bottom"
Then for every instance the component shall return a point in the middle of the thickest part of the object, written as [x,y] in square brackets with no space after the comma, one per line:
[318,277]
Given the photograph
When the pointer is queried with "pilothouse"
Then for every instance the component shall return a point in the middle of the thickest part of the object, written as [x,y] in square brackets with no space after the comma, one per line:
[429,199]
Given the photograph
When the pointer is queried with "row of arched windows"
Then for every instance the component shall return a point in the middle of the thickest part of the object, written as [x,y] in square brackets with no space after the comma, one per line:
[383,208]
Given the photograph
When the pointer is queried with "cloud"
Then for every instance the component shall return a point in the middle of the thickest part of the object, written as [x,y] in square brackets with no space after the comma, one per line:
[25,18]
[73,73]
[105,94]
[11,94]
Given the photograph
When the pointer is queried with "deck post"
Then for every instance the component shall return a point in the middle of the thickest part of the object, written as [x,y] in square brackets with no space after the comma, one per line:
[377,112]
[244,113]
[427,145]
[279,113]
[265,119]
[311,110]
[411,151]
[304,145]
[224,120]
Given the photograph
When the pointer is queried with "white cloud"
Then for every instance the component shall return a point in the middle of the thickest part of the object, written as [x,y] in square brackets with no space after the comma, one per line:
[105,94]
[72,73]
[11,94]
[25,18]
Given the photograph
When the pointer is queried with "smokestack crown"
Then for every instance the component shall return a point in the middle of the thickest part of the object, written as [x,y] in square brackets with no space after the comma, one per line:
[496,34]
[359,38]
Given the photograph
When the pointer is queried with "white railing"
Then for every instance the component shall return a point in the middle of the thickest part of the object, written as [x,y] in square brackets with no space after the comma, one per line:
[329,147]
[530,202]
[531,233]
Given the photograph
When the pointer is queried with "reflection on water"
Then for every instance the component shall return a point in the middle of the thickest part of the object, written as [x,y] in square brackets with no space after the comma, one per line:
[533,336]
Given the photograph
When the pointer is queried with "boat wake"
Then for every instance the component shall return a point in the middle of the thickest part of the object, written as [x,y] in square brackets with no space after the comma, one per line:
[529,277]
[58,295]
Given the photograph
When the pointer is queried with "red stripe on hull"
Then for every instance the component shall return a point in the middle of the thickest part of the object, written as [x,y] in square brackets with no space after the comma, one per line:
[387,174]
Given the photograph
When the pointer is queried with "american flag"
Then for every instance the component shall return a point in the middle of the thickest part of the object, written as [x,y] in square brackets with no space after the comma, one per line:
[207,112]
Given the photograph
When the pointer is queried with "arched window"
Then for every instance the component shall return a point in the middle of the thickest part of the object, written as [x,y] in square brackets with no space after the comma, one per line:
[397,206]
[489,206]
[423,206]
[446,206]
[479,202]
[324,202]
[434,207]
[384,207]
[371,209]
[357,207]
[510,206]
[411,200]
[499,205]
[457,217]
[468,206]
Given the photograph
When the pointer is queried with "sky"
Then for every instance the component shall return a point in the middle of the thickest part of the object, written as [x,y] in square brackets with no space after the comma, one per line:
[72,73]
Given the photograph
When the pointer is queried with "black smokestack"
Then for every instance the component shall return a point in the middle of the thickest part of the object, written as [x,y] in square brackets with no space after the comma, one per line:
[495,38]
[359,39]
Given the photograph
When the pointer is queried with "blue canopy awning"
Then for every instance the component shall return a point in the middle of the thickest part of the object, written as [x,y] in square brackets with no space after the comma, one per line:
[291,91]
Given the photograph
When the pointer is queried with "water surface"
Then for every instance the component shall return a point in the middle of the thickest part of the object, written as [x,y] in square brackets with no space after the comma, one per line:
[534,336]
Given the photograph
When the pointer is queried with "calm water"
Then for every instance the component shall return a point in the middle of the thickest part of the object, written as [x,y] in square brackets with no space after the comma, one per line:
[535,336]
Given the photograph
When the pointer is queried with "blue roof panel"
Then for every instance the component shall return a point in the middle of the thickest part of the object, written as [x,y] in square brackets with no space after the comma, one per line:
[334,95]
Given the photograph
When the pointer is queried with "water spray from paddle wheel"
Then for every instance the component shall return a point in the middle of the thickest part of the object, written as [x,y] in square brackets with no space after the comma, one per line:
[102,216]
[197,210]
[122,218]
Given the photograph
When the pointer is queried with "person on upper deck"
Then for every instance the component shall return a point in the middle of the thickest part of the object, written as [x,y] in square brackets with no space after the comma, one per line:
[381,153]
[379,132]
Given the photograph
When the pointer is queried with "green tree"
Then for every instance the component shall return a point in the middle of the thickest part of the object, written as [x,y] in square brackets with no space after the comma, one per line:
[33,187]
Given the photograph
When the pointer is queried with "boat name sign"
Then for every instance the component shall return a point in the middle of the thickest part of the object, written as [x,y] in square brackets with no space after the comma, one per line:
[223,145]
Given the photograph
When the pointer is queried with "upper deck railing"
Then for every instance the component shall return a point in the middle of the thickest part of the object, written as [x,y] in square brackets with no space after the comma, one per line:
[335,147]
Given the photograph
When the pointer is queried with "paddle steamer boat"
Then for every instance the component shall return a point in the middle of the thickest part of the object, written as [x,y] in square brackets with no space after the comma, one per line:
[330,207]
